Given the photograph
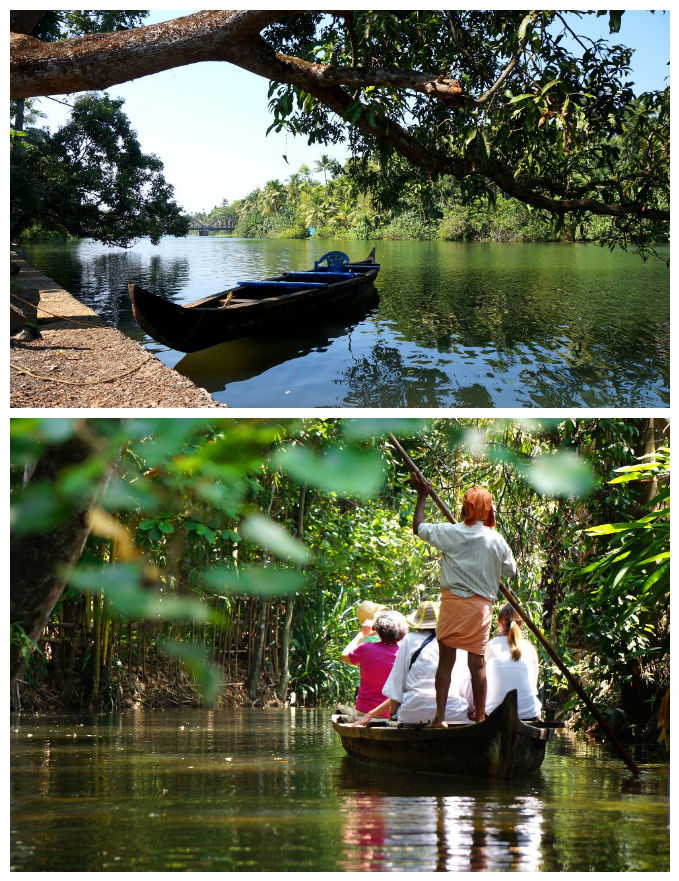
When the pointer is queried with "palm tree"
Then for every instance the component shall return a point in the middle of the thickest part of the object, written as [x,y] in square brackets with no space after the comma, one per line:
[273,198]
[294,188]
[315,207]
[324,164]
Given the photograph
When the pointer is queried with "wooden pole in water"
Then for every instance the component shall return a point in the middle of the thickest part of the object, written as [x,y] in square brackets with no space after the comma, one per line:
[542,639]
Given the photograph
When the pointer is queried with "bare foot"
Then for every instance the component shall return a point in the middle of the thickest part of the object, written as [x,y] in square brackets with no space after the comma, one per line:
[438,723]
[482,719]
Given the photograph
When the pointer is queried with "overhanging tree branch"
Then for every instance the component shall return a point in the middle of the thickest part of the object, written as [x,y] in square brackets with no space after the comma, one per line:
[100,60]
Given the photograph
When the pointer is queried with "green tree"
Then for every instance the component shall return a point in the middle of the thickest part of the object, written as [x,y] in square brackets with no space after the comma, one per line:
[326,164]
[90,178]
[486,96]
[184,536]
[273,198]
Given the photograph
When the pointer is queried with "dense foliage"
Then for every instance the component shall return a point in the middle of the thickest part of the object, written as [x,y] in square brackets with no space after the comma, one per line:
[365,200]
[91,179]
[242,547]
[518,102]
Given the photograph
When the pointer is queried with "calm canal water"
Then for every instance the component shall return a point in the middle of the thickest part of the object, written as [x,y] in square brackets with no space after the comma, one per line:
[456,325]
[267,790]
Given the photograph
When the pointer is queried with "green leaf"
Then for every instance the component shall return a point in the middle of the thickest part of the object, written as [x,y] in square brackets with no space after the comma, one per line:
[522,97]
[344,471]
[525,21]
[165,526]
[257,580]
[121,583]
[57,431]
[470,135]
[353,111]
[655,576]
[206,532]
[614,19]
[37,508]
[145,525]
[664,555]
[272,537]
[363,429]
[207,676]
[549,86]
[561,474]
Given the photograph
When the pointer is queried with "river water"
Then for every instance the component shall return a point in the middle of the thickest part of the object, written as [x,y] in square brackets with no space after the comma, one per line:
[455,325]
[272,790]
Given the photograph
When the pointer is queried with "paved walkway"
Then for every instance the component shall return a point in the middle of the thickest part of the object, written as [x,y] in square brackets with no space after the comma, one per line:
[82,362]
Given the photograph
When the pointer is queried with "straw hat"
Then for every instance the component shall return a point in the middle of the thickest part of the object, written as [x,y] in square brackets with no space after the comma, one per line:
[425,616]
[367,610]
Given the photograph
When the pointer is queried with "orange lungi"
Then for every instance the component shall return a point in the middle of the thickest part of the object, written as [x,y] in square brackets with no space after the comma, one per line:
[464,622]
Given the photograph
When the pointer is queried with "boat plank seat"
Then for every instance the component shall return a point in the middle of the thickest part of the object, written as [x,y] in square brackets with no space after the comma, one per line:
[324,277]
[298,285]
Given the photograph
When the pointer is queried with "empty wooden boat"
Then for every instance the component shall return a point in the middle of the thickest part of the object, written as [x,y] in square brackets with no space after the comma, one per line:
[252,305]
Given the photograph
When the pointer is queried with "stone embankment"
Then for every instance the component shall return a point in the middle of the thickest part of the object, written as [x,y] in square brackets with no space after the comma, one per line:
[78,360]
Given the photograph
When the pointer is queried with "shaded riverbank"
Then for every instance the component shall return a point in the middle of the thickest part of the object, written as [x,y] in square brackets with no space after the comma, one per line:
[80,361]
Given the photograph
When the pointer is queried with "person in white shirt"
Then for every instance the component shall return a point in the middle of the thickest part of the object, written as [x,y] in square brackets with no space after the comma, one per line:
[409,689]
[475,558]
[511,662]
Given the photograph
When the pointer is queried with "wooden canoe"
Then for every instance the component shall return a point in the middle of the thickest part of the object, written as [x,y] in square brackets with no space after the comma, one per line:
[250,305]
[501,746]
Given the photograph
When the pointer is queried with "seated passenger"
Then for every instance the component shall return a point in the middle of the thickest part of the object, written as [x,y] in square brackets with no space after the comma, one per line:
[410,689]
[511,662]
[375,659]
[366,612]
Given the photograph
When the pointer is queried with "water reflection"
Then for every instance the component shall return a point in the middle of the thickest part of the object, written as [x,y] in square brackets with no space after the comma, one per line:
[401,821]
[259,790]
[247,357]
[472,325]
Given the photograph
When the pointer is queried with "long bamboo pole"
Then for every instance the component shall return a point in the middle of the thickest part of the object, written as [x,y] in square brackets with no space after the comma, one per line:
[551,651]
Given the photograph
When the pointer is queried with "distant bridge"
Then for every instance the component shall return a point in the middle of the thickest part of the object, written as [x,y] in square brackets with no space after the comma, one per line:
[224,223]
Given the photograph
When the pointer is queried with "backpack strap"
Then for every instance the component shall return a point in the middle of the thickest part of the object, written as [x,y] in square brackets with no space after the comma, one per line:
[416,653]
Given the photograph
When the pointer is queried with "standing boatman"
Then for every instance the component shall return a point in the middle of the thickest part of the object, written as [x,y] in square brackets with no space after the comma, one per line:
[475,558]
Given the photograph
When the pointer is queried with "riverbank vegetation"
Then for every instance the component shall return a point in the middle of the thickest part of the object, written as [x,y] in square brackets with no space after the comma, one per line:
[514,102]
[175,561]
[366,200]
[89,179]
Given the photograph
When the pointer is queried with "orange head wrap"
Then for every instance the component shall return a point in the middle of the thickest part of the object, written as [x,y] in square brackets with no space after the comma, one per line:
[477,504]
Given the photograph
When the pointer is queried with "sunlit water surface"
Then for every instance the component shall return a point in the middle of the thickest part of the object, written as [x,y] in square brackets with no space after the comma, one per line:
[456,324]
[268,790]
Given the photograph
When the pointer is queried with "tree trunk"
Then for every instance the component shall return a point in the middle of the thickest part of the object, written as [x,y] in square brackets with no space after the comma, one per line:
[652,438]
[282,689]
[18,146]
[38,560]
[97,604]
[258,649]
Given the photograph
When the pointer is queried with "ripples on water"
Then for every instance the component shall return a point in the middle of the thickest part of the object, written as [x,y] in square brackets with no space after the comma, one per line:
[474,325]
[264,790]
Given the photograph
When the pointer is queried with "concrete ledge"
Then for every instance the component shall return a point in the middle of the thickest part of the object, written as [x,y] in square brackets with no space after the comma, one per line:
[80,361]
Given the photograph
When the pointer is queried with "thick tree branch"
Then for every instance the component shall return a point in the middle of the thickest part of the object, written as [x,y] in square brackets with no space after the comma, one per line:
[101,60]
[97,61]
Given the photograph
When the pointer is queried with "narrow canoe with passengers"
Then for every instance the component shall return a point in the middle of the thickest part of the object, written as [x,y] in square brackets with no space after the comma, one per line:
[253,305]
[502,746]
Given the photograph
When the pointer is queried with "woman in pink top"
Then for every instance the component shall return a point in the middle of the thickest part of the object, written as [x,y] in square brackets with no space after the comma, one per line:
[375,659]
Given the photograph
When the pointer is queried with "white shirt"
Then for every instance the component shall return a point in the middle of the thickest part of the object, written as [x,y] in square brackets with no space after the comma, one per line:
[503,674]
[474,557]
[414,688]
